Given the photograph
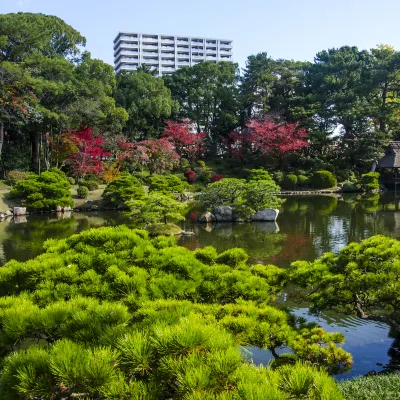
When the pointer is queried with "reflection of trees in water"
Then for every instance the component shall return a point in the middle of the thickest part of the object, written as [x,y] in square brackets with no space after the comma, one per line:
[25,240]
[260,240]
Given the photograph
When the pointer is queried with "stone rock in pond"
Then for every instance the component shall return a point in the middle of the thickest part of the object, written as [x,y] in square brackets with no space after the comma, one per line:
[67,209]
[19,210]
[9,213]
[223,214]
[94,207]
[58,208]
[268,214]
[207,217]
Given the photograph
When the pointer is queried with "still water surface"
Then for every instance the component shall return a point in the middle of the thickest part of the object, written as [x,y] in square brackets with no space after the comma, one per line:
[307,227]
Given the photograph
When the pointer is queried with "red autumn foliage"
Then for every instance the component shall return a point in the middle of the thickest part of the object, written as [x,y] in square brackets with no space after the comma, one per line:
[216,178]
[190,176]
[267,137]
[89,152]
[158,155]
[186,143]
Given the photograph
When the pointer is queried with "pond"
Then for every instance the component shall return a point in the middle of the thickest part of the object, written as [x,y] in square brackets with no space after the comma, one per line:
[307,227]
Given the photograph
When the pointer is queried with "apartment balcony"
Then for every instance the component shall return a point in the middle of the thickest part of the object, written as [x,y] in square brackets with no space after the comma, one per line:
[211,58]
[168,68]
[167,40]
[167,62]
[149,46]
[183,62]
[182,40]
[149,38]
[128,37]
[225,46]
[150,61]
[168,55]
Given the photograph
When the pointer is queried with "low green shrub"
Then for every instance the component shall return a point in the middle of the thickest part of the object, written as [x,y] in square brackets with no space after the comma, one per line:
[206,255]
[290,182]
[71,180]
[302,180]
[350,187]
[279,176]
[166,184]
[259,175]
[91,185]
[45,191]
[323,180]
[83,192]
[122,189]
[370,182]
[14,177]
[201,164]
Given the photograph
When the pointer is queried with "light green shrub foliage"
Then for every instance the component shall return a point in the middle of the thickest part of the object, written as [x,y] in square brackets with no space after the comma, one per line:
[259,175]
[279,177]
[45,191]
[15,176]
[290,181]
[302,180]
[122,189]
[71,180]
[82,192]
[156,207]
[370,182]
[323,180]
[361,279]
[90,184]
[122,316]
[246,197]
[166,184]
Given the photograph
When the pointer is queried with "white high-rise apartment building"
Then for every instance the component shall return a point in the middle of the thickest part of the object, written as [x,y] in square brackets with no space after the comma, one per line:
[167,54]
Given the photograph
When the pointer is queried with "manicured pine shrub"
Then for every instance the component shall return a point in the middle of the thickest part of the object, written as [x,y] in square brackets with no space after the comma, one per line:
[125,316]
[122,189]
[350,187]
[71,180]
[45,191]
[323,180]
[279,176]
[83,192]
[290,182]
[91,185]
[166,184]
[370,182]
[302,181]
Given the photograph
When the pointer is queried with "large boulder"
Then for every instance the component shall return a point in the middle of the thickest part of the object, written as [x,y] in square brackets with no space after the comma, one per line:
[207,218]
[268,215]
[19,211]
[223,214]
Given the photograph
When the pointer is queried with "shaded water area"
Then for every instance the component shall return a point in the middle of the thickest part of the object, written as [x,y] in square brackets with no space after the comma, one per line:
[307,227]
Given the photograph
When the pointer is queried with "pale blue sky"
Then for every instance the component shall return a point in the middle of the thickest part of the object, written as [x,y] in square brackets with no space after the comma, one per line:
[293,29]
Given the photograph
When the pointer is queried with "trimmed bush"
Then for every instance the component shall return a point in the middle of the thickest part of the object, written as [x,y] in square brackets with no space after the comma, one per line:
[14,177]
[302,180]
[370,182]
[323,180]
[259,175]
[91,185]
[71,180]
[290,182]
[83,192]
[349,187]
[45,191]
[122,189]
[279,176]
[201,164]
[166,184]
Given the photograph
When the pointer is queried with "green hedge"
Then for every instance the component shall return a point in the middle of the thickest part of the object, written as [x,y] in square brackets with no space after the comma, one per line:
[323,180]
[290,182]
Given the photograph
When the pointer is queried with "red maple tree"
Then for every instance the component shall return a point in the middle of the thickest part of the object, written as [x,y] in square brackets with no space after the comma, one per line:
[90,152]
[187,144]
[266,137]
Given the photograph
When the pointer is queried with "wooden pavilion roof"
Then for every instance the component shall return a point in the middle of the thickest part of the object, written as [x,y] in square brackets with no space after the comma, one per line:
[391,159]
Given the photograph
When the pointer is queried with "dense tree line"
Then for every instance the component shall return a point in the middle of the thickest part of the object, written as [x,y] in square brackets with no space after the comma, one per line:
[344,104]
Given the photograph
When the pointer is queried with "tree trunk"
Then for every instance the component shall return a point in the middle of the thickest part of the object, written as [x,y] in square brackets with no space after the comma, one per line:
[1,136]
[35,151]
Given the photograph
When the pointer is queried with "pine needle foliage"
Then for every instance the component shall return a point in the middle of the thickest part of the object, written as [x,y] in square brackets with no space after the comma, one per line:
[113,314]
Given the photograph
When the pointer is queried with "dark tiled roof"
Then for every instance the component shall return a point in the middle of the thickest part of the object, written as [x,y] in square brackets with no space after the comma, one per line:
[392,156]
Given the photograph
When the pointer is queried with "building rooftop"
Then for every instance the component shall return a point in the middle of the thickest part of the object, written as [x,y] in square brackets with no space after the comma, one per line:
[391,159]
